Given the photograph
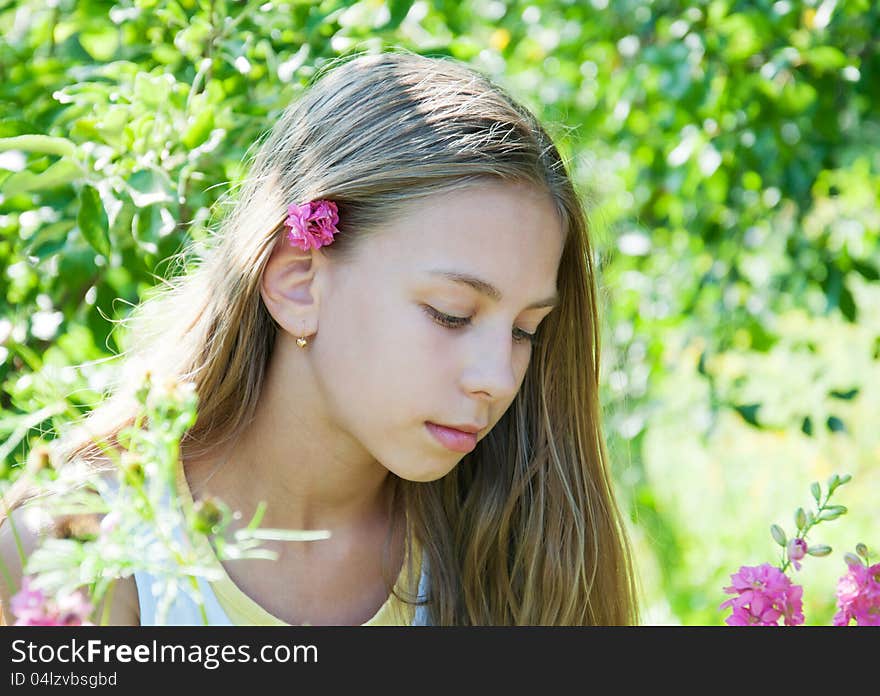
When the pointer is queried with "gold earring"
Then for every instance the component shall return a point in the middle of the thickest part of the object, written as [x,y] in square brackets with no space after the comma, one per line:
[302,341]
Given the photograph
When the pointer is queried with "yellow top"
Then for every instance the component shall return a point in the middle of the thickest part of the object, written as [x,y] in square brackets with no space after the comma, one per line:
[244,611]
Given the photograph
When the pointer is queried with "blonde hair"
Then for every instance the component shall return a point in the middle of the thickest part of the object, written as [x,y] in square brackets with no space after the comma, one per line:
[525,530]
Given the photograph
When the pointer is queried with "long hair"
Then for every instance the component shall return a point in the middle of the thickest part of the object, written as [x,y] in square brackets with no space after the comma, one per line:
[526,529]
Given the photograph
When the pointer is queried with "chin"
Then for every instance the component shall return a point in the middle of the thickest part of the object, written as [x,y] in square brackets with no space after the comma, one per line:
[421,475]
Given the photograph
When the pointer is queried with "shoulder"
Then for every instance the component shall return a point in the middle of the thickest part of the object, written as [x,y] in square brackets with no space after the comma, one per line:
[20,534]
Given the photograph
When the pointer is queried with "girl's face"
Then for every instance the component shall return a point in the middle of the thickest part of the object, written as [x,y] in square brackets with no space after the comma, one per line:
[402,344]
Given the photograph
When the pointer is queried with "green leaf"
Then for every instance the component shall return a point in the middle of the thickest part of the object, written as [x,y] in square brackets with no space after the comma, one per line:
[847,304]
[749,413]
[152,90]
[282,534]
[826,57]
[200,129]
[13,127]
[150,224]
[49,239]
[92,220]
[807,426]
[399,9]
[100,43]
[835,425]
[148,186]
[845,395]
[741,36]
[61,173]
[867,270]
[45,144]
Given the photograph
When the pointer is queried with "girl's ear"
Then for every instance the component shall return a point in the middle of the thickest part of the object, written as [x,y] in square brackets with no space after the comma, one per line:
[289,287]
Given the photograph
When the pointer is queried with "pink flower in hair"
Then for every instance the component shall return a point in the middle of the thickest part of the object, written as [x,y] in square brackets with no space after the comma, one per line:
[313,224]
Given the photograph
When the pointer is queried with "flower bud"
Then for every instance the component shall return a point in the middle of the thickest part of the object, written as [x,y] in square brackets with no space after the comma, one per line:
[851,559]
[797,549]
[778,534]
[819,550]
[832,512]
[144,390]
[862,550]
[800,518]
[816,490]
[838,481]
[132,469]
[207,514]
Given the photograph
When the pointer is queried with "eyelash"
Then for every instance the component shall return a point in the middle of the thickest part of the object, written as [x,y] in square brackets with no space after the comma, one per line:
[460,322]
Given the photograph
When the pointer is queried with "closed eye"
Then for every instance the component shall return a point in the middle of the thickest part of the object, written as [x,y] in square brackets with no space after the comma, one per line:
[452,322]
[525,336]
[447,319]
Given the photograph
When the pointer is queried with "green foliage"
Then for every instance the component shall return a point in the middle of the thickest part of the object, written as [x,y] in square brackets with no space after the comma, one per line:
[729,150]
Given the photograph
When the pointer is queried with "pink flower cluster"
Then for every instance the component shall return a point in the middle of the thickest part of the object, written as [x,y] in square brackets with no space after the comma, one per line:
[31,607]
[858,596]
[763,595]
[312,224]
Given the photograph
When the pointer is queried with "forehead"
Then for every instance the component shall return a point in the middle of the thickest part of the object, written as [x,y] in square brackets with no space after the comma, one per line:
[509,234]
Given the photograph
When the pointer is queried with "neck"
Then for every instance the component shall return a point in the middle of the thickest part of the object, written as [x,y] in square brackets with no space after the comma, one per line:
[310,474]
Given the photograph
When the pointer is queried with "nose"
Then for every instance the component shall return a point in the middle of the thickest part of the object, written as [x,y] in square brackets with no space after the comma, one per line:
[490,369]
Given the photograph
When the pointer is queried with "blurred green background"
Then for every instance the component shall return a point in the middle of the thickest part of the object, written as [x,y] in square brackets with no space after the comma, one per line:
[729,153]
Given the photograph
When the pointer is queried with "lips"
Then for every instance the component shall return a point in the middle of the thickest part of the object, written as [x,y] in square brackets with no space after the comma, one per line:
[452,439]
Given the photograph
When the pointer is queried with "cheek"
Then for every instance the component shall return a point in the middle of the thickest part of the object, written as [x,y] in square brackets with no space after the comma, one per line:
[378,357]
[521,362]
[413,357]
[520,358]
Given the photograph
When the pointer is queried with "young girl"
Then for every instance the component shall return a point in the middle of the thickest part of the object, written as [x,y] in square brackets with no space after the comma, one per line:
[394,338]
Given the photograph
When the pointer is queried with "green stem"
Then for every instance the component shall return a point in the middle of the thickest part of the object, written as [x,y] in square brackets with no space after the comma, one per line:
[7,577]
[108,599]
[246,12]
[802,534]
[211,38]
[202,611]
[15,536]
[54,24]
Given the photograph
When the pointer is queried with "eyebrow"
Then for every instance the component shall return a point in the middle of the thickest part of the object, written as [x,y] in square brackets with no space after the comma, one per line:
[488,289]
